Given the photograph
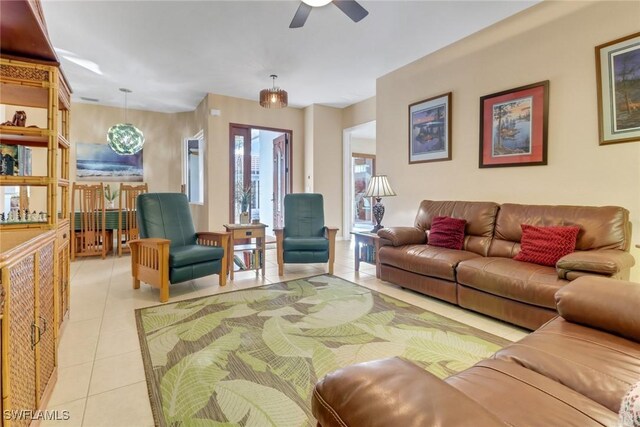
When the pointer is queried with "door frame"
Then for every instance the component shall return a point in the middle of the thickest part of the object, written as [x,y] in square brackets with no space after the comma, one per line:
[347,182]
[288,160]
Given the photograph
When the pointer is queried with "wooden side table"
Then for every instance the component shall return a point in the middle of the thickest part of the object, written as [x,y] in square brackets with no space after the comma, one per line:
[247,231]
[365,248]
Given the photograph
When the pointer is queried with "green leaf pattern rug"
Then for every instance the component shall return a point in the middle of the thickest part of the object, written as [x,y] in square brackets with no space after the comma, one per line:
[251,357]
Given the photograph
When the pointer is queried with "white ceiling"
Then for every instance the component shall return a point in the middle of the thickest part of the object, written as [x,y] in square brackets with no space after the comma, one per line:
[171,53]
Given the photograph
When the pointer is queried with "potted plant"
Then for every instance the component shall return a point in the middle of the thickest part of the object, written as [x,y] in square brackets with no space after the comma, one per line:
[243,195]
[110,196]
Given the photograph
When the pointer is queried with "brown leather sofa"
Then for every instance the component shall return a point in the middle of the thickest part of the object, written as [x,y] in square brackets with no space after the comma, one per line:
[573,371]
[483,276]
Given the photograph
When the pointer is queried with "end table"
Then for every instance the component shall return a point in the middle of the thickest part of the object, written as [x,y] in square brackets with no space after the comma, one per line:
[256,249]
[365,248]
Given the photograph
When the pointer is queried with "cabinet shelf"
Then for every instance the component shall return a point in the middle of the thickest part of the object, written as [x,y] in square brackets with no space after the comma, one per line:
[24,180]
[62,142]
[31,137]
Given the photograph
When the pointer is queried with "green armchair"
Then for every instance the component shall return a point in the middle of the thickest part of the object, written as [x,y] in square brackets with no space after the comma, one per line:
[169,249]
[305,239]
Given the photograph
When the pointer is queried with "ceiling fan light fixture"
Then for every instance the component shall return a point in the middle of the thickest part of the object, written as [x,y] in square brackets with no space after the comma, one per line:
[274,97]
[317,3]
[124,138]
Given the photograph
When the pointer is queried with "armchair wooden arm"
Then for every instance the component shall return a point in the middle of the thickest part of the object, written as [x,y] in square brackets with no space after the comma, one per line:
[280,249]
[221,239]
[330,233]
[150,263]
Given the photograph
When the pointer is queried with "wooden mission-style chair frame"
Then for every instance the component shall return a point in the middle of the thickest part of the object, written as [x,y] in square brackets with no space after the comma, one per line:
[92,238]
[150,256]
[127,215]
[303,226]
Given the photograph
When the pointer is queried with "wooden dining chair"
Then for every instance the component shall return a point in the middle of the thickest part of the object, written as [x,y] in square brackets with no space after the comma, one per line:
[127,215]
[89,236]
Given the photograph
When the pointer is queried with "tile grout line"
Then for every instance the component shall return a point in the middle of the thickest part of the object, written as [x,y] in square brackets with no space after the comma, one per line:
[93,362]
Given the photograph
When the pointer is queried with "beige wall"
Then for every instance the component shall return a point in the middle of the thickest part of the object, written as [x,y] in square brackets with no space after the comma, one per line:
[554,41]
[363,145]
[163,140]
[359,113]
[246,112]
[326,175]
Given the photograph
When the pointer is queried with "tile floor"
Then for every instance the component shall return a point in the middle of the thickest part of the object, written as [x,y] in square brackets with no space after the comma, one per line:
[101,379]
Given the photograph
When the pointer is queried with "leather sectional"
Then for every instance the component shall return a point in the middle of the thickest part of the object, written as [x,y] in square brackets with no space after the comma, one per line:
[483,276]
[573,371]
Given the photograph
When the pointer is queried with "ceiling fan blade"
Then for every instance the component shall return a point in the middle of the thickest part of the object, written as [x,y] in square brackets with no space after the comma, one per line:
[352,9]
[301,15]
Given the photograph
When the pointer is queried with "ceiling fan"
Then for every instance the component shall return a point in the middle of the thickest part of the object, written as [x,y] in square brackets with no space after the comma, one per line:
[351,8]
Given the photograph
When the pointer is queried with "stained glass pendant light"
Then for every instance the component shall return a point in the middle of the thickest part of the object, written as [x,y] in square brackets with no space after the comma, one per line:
[124,138]
[274,97]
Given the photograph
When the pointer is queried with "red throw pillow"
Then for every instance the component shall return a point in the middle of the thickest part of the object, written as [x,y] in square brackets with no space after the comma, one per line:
[546,245]
[447,232]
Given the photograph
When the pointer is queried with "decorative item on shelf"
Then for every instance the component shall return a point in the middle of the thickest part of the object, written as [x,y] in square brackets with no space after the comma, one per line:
[19,119]
[9,160]
[43,216]
[124,138]
[110,196]
[274,97]
[244,198]
[378,187]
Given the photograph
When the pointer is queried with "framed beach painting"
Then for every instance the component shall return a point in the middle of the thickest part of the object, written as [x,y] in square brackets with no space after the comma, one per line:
[98,162]
[618,75]
[430,129]
[513,127]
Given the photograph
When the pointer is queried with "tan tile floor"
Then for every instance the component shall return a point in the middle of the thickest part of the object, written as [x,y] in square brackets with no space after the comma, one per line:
[101,378]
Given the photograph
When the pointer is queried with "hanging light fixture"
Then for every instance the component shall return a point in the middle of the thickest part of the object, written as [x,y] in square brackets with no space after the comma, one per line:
[274,97]
[124,138]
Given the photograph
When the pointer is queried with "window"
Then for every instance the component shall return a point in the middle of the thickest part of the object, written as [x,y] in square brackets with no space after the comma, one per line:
[193,175]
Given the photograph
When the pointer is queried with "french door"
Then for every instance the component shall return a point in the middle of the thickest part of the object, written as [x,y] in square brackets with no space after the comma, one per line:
[259,161]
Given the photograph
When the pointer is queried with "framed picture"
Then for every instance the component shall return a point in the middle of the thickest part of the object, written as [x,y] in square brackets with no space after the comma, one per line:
[98,162]
[430,129]
[513,127]
[618,74]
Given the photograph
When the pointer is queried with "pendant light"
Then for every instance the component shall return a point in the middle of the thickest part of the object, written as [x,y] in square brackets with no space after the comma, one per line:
[274,97]
[124,138]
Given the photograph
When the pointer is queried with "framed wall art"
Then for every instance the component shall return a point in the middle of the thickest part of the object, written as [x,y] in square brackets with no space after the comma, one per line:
[98,162]
[430,129]
[618,75]
[513,126]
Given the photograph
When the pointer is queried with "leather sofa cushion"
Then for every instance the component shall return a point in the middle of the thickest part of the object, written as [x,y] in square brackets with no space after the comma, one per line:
[306,244]
[424,259]
[194,254]
[480,217]
[516,280]
[521,397]
[594,363]
[605,227]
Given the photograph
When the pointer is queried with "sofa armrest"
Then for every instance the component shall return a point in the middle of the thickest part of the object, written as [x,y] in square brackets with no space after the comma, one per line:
[608,262]
[602,303]
[399,236]
[393,392]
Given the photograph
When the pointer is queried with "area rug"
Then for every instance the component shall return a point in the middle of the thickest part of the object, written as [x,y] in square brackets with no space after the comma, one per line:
[251,357]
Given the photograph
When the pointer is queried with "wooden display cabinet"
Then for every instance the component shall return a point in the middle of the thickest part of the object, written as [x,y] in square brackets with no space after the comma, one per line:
[34,254]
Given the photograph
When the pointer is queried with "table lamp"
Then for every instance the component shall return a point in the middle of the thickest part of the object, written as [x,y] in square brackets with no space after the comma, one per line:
[378,187]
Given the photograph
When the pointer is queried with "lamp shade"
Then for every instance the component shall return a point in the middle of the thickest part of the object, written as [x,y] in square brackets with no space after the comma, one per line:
[379,187]
[125,139]
[274,97]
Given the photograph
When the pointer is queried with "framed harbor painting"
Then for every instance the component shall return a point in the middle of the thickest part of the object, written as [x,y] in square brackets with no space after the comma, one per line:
[513,126]
[430,129]
[618,75]
[98,162]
